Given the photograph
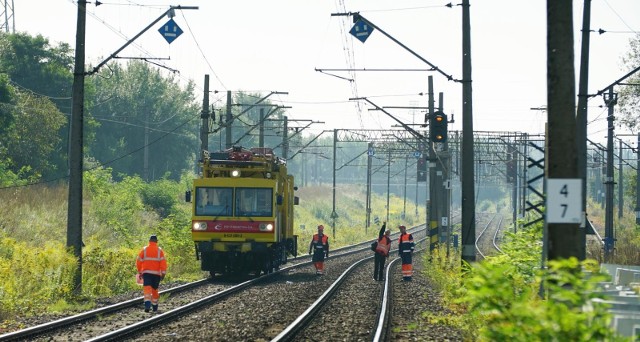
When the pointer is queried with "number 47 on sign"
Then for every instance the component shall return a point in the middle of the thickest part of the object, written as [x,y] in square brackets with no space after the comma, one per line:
[564,200]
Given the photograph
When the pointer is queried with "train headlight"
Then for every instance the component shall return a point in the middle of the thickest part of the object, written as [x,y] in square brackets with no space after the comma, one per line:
[199,226]
[268,227]
[268,175]
[235,173]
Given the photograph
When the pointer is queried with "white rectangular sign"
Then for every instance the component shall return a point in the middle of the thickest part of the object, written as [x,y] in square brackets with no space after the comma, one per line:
[564,200]
[444,221]
[447,184]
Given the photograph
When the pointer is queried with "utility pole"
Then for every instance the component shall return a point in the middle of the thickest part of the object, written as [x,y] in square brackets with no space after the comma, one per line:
[368,200]
[581,121]
[563,187]
[204,129]
[145,163]
[388,183]
[638,181]
[610,99]
[404,192]
[468,186]
[228,121]
[76,139]
[74,212]
[285,138]
[443,166]
[334,215]
[434,232]
[261,129]
[620,180]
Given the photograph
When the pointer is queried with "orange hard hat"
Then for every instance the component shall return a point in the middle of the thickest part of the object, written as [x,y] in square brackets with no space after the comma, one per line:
[320,227]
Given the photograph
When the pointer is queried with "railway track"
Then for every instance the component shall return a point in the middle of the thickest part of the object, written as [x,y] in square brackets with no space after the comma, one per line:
[487,240]
[118,321]
[357,308]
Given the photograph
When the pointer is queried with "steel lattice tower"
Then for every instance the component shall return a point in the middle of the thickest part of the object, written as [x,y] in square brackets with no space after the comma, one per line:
[7,19]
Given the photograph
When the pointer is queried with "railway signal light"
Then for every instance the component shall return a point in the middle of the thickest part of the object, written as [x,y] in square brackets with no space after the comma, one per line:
[439,125]
[422,169]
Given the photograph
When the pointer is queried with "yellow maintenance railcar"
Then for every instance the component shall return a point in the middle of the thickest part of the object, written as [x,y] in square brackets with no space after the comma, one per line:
[242,218]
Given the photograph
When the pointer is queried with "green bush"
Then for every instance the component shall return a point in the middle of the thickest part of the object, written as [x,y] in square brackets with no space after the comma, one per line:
[161,196]
[117,207]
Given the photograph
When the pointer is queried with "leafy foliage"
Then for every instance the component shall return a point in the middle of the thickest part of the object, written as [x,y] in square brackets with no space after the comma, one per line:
[629,99]
[145,118]
[501,296]
[32,139]
[116,207]
[43,72]
[7,101]
[161,196]
[30,60]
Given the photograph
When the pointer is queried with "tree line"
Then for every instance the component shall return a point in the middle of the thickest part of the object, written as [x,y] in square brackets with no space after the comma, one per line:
[137,119]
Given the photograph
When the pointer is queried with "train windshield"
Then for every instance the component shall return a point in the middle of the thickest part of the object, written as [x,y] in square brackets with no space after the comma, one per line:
[254,202]
[214,201]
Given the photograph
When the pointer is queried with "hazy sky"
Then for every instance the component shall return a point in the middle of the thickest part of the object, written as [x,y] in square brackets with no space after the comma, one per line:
[262,46]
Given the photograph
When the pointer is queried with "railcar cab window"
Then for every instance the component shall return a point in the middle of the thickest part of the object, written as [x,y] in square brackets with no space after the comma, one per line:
[214,201]
[254,202]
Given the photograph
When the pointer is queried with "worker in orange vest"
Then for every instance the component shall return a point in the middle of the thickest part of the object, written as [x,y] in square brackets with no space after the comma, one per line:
[405,248]
[320,247]
[152,266]
[382,252]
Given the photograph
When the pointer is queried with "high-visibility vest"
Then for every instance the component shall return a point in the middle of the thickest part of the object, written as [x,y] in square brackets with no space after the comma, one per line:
[384,245]
[320,244]
[405,243]
[151,260]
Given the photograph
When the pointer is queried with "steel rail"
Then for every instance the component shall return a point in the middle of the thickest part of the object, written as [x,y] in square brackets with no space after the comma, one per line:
[480,236]
[84,316]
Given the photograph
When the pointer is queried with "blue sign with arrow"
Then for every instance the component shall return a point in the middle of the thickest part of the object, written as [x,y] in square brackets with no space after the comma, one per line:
[361,30]
[170,31]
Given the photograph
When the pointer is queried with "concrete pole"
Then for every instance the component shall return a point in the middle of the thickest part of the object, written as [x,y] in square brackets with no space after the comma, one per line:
[610,101]
[404,193]
[228,122]
[561,161]
[285,139]
[204,128]
[638,180]
[620,181]
[334,215]
[581,120]
[261,129]
[431,171]
[76,156]
[468,186]
[368,200]
[388,183]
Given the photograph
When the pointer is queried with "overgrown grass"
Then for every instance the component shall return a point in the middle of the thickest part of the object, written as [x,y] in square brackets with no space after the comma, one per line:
[316,207]
[36,270]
